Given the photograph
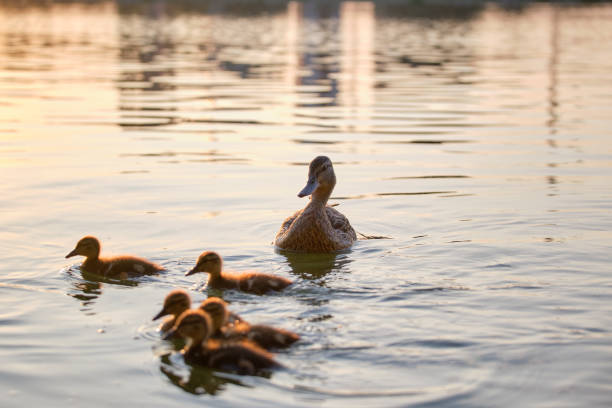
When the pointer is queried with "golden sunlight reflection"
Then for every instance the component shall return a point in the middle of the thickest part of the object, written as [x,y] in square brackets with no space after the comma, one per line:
[357,29]
[35,80]
[292,62]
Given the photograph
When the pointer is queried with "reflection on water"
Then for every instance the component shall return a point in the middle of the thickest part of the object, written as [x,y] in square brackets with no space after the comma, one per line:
[314,266]
[198,380]
[86,291]
[87,287]
[476,137]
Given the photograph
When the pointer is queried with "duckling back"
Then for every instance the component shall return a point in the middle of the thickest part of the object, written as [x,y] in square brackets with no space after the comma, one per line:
[261,283]
[243,358]
[264,336]
[127,265]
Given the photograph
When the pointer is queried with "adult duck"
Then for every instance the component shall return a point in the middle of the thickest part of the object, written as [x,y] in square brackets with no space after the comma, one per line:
[317,227]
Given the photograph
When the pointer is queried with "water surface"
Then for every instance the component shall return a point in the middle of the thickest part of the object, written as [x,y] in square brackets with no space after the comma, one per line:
[476,139]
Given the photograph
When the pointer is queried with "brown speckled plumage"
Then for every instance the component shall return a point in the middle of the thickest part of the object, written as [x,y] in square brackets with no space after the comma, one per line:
[253,282]
[121,267]
[317,227]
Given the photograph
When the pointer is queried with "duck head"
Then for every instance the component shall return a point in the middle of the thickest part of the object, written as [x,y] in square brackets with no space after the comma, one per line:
[88,247]
[209,262]
[175,303]
[321,179]
[216,308]
[194,325]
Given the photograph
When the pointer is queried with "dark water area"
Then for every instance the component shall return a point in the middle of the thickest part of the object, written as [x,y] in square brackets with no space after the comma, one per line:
[476,140]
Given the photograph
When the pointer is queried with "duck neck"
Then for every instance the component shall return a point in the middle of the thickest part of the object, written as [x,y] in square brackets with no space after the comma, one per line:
[320,196]
[191,347]
[91,264]
[217,325]
[193,343]
[214,274]
[179,311]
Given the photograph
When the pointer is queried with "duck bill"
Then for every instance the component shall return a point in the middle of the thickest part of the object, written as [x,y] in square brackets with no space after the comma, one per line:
[191,272]
[72,253]
[309,188]
[160,314]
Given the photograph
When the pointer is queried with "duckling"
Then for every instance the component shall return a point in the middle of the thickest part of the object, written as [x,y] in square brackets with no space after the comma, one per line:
[218,311]
[317,227]
[196,326]
[253,282]
[216,308]
[264,336]
[120,267]
[175,303]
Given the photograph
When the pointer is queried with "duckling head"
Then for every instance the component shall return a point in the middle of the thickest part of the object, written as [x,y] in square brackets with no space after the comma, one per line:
[88,247]
[321,179]
[216,308]
[194,325]
[209,262]
[175,303]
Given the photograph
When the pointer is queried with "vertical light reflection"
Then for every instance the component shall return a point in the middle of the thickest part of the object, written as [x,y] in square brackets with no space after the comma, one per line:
[553,63]
[147,50]
[357,21]
[292,36]
[553,116]
[511,56]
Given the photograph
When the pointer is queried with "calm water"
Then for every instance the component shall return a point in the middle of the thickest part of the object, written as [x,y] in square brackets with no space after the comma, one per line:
[478,140]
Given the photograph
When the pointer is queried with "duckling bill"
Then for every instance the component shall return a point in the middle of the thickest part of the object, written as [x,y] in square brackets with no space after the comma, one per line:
[120,267]
[317,227]
[175,303]
[253,282]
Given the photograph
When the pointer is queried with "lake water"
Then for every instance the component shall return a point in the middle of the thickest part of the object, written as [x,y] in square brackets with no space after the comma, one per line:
[477,139]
